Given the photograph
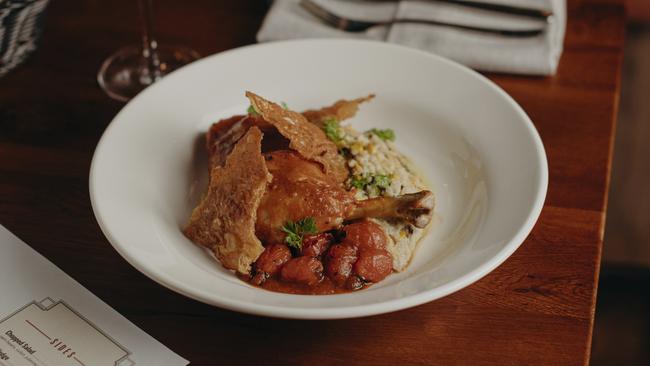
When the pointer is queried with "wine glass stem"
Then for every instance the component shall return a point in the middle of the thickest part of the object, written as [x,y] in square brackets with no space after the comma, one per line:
[149,44]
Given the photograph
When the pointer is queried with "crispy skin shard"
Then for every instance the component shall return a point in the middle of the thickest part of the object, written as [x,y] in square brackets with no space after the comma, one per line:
[221,138]
[341,110]
[224,134]
[305,138]
[224,220]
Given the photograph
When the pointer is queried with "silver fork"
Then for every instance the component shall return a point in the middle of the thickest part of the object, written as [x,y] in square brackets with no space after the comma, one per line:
[355,25]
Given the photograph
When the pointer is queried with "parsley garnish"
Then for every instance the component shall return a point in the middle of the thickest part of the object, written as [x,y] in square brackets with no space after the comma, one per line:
[284,105]
[381,181]
[373,184]
[386,135]
[359,182]
[332,129]
[251,110]
[296,230]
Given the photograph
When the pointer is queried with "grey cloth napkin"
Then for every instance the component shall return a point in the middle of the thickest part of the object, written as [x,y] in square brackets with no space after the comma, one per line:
[534,55]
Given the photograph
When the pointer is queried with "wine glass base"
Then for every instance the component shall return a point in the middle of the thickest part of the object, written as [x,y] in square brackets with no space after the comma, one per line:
[126,73]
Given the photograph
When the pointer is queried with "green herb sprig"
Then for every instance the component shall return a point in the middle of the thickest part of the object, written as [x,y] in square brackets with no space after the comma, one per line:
[251,110]
[296,230]
[332,130]
[381,181]
[360,182]
[386,134]
[373,184]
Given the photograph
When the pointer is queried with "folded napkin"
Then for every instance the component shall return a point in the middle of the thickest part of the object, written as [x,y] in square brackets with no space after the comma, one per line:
[533,55]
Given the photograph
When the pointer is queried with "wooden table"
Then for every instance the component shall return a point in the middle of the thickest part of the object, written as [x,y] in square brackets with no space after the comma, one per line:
[537,308]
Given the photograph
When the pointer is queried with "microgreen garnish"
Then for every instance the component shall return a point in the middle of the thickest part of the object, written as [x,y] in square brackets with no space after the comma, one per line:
[373,184]
[251,110]
[359,182]
[386,135]
[332,129]
[381,181]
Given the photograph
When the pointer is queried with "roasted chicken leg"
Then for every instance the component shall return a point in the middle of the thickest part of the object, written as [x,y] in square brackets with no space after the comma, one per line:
[300,189]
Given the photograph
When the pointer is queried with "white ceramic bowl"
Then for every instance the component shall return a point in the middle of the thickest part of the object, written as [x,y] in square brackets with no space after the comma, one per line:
[478,149]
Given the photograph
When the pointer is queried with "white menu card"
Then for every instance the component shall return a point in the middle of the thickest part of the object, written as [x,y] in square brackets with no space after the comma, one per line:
[48,319]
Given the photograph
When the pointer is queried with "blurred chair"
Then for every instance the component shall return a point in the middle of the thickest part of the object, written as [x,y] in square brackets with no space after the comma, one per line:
[622,326]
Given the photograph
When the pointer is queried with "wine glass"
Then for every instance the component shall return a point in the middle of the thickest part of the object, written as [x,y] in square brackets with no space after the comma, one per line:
[131,69]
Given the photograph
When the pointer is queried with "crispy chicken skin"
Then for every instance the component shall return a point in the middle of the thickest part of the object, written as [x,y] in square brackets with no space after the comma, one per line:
[224,220]
[304,137]
[340,110]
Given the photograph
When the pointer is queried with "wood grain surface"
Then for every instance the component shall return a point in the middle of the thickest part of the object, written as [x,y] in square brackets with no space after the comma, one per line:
[535,309]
